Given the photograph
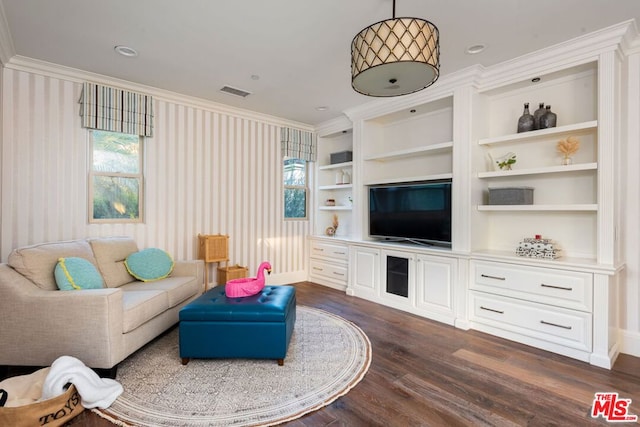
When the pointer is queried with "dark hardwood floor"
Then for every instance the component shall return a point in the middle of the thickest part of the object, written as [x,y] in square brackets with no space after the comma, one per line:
[424,373]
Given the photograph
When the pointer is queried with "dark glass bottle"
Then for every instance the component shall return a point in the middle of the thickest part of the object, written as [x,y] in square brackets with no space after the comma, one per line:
[525,122]
[548,119]
[537,114]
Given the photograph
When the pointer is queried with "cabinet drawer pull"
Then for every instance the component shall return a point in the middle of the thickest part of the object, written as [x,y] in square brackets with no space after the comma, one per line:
[556,287]
[486,276]
[556,325]
[491,309]
[318,249]
[340,253]
[318,268]
[338,274]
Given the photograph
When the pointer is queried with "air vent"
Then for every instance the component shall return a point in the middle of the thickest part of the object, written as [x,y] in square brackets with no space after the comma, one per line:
[235,91]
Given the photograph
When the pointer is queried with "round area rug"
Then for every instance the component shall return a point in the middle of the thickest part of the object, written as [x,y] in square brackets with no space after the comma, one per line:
[327,356]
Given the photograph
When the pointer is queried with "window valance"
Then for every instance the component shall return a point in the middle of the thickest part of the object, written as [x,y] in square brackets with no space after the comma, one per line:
[298,144]
[117,110]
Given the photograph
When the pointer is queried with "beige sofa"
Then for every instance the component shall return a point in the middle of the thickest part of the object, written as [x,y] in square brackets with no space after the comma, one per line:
[101,327]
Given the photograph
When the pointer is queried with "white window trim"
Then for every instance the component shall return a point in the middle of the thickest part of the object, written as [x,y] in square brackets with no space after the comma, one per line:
[297,187]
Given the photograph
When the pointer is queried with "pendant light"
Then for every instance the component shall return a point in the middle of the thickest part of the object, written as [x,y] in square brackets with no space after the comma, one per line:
[395,57]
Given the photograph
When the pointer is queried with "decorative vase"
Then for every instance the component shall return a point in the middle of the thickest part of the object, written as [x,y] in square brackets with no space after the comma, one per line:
[346,177]
[537,115]
[339,178]
[567,160]
[525,122]
[548,119]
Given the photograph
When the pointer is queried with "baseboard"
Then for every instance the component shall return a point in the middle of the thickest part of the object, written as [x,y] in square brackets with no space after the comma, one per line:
[630,342]
[286,278]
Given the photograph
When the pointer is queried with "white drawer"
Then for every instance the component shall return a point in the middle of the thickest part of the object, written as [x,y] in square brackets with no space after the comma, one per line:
[336,273]
[557,325]
[333,251]
[560,288]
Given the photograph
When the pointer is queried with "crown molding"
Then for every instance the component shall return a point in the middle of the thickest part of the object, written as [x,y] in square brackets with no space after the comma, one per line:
[443,88]
[573,52]
[334,126]
[7,50]
[21,63]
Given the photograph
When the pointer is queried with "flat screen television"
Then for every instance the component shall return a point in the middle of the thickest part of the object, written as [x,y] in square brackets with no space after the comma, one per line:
[418,212]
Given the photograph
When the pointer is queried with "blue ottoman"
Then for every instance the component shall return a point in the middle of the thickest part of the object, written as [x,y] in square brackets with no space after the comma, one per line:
[255,327]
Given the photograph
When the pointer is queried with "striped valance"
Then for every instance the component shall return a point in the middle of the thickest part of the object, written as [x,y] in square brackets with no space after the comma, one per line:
[298,144]
[117,110]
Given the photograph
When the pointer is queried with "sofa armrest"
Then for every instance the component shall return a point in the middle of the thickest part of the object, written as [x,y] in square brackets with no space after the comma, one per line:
[192,268]
[39,325]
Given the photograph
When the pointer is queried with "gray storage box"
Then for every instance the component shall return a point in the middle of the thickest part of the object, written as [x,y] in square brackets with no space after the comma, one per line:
[341,157]
[511,196]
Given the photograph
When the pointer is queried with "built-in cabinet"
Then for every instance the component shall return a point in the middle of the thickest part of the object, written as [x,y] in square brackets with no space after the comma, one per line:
[454,130]
[328,263]
[405,278]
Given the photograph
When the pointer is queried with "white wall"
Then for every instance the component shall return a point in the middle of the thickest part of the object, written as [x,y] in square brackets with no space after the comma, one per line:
[206,171]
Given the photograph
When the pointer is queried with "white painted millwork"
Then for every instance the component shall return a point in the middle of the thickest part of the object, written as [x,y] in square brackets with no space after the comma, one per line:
[572,305]
[328,264]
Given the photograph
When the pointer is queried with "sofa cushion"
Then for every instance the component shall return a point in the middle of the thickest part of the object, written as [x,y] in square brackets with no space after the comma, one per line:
[75,273]
[38,262]
[178,288]
[110,254]
[149,264]
[141,306]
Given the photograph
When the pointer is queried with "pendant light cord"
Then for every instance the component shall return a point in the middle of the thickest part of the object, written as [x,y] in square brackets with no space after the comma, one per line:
[394,9]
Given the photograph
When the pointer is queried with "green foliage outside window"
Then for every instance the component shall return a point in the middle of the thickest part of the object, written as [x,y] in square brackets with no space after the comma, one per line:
[116,176]
[295,188]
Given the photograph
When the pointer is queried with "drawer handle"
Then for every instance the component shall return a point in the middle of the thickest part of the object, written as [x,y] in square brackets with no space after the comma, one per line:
[318,268]
[338,274]
[486,276]
[555,287]
[318,249]
[491,309]
[340,253]
[556,325]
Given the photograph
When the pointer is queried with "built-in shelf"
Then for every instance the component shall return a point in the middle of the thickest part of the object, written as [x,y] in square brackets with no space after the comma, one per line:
[336,166]
[334,208]
[593,124]
[564,261]
[391,155]
[398,180]
[541,208]
[335,187]
[539,171]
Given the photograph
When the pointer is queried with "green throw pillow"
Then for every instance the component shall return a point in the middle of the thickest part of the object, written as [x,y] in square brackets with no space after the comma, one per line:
[75,273]
[149,264]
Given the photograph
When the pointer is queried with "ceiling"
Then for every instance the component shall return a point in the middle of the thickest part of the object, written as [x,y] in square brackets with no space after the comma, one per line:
[292,55]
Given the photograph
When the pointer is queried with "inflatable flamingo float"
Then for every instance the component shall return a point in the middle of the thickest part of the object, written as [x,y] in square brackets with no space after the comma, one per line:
[248,286]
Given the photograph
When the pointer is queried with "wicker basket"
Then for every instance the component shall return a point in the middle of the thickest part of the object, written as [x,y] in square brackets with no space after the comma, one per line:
[232,272]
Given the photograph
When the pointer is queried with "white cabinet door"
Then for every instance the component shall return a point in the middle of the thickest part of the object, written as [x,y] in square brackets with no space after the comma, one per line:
[365,271]
[435,280]
[397,277]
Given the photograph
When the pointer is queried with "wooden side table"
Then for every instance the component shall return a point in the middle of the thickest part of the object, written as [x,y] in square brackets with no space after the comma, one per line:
[212,248]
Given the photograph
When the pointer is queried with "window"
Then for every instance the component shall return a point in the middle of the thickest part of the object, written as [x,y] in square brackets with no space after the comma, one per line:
[295,188]
[115,178]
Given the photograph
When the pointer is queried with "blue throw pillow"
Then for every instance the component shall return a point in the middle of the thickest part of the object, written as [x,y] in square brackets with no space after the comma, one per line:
[77,273]
[149,264]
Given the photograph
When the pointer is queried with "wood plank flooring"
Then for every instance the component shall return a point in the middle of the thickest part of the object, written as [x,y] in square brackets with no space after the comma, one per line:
[424,373]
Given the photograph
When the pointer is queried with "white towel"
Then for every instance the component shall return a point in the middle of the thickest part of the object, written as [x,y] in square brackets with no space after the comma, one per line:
[95,392]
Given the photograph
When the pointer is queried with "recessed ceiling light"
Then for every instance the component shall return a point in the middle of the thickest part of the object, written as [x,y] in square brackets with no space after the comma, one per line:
[126,51]
[476,48]
[255,77]
[323,108]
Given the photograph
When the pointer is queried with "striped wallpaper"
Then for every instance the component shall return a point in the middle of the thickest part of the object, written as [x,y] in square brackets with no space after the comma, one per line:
[205,172]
